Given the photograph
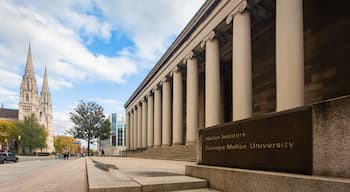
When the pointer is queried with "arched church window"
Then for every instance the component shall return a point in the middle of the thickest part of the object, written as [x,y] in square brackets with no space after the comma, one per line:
[27,97]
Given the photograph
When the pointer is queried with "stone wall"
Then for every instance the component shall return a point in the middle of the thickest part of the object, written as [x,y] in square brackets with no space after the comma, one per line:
[331,137]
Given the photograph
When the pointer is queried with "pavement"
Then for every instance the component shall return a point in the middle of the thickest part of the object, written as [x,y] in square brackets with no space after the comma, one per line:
[95,174]
[44,176]
[135,174]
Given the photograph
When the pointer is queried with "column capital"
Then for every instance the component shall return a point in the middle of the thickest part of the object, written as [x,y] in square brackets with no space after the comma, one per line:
[167,78]
[176,69]
[209,37]
[139,103]
[150,93]
[157,87]
[190,55]
[240,8]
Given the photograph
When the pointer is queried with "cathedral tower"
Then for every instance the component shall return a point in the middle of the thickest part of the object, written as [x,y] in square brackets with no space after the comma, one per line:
[28,101]
[46,110]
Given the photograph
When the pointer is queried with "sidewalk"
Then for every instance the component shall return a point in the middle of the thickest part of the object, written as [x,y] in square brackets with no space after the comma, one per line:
[135,174]
[45,176]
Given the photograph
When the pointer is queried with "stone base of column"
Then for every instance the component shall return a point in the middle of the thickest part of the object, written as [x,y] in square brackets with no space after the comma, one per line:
[191,143]
[156,146]
[166,145]
[178,144]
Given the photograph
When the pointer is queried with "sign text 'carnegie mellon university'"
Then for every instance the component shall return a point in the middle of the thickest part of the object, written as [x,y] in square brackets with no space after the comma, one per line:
[276,142]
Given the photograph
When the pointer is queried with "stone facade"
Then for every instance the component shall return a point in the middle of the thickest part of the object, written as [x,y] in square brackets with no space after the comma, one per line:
[30,102]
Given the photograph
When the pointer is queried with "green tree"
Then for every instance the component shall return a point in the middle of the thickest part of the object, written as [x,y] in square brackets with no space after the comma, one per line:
[89,123]
[33,134]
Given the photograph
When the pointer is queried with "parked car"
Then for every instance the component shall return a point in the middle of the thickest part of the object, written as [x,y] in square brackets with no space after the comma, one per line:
[8,156]
[1,159]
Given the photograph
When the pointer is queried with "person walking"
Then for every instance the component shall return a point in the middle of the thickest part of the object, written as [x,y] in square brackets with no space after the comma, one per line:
[103,153]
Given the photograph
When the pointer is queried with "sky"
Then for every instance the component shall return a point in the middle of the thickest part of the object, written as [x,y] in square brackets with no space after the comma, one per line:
[94,50]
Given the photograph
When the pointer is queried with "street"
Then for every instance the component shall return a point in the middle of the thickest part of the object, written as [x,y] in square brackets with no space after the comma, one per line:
[44,176]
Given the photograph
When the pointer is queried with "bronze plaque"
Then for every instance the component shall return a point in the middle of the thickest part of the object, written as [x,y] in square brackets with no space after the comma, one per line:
[274,142]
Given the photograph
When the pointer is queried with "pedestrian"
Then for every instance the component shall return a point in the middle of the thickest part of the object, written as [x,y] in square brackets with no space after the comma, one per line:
[103,153]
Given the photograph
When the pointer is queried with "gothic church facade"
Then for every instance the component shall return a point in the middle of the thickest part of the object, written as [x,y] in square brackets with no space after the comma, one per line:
[30,101]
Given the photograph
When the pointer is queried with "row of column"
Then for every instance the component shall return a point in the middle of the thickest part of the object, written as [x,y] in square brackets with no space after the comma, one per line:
[150,122]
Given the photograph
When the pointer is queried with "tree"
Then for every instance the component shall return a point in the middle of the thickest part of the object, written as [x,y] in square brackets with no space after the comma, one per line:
[8,131]
[63,143]
[89,123]
[33,134]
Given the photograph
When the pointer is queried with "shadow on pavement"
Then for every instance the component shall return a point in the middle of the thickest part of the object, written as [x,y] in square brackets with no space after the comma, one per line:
[103,166]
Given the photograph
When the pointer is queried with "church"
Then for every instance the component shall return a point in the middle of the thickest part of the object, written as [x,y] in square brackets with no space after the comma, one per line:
[30,102]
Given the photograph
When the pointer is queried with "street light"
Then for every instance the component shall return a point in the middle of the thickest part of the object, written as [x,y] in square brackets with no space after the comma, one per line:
[7,144]
[18,142]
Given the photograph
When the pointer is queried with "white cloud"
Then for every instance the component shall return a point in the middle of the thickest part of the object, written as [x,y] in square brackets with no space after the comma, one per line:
[60,30]
[110,105]
[8,98]
[57,45]
[61,122]
[149,24]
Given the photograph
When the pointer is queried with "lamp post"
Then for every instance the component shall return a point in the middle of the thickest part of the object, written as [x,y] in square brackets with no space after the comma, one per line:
[18,144]
[7,144]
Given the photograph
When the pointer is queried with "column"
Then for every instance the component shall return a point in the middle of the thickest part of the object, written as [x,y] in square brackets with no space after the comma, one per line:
[144,123]
[166,113]
[241,63]
[157,117]
[132,130]
[127,130]
[177,107]
[212,80]
[150,121]
[135,128]
[139,125]
[289,54]
[192,99]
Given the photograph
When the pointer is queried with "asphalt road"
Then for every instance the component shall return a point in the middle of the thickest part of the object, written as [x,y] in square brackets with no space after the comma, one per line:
[44,176]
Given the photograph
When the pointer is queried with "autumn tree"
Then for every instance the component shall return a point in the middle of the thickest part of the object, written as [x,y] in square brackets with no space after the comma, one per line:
[7,131]
[63,143]
[90,123]
[33,135]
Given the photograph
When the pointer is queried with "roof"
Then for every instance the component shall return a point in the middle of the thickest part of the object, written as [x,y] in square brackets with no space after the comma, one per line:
[9,113]
[198,18]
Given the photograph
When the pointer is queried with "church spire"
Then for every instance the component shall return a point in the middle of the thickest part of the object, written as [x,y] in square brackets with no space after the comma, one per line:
[29,71]
[45,87]
[28,101]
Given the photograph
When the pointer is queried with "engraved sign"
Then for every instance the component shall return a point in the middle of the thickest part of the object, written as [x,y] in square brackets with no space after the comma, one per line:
[274,142]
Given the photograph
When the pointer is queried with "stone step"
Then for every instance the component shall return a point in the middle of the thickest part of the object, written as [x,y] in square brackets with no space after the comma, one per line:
[197,190]
[176,152]
[153,184]
[104,176]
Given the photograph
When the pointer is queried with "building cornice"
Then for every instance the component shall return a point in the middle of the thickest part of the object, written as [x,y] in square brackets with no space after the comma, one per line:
[198,18]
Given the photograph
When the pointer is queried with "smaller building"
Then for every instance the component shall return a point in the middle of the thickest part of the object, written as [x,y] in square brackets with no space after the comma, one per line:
[116,144]
[8,115]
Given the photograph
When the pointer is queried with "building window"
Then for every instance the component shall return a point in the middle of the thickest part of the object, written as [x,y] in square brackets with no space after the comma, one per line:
[27,97]
[120,137]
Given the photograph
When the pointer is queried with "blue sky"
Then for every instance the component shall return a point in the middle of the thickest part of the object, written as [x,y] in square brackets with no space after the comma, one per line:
[95,50]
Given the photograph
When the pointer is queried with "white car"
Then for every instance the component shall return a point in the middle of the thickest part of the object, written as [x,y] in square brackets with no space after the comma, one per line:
[8,156]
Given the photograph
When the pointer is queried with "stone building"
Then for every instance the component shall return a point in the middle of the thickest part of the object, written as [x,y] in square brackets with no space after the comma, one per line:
[238,62]
[30,101]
